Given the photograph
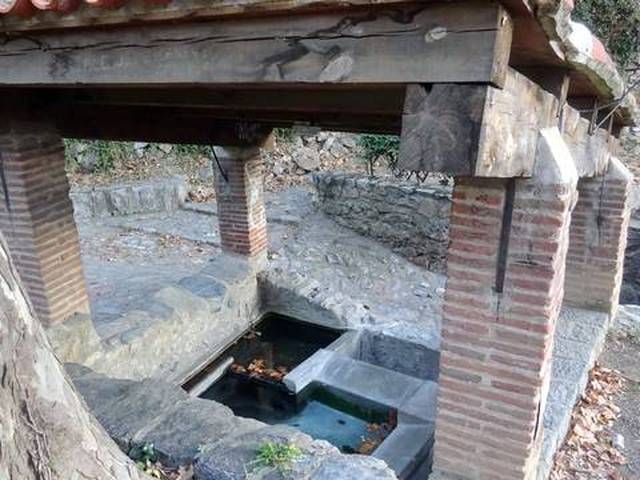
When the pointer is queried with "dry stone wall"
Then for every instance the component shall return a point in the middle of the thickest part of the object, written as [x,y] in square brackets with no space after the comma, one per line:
[411,219]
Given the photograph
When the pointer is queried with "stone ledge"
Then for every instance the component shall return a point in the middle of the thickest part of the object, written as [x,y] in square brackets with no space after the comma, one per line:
[580,335]
[221,446]
[147,196]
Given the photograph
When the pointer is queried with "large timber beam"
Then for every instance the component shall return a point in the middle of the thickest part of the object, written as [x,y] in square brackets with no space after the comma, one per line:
[421,43]
[340,108]
[164,125]
[590,147]
[475,130]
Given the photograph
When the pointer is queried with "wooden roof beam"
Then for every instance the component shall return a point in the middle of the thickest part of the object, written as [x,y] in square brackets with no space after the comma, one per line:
[423,43]
[483,131]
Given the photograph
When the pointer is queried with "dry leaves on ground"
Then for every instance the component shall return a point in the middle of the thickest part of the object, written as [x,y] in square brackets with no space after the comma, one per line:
[257,368]
[162,472]
[588,452]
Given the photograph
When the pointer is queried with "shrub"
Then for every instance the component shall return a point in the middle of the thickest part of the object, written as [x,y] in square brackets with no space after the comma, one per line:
[377,148]
[617,23]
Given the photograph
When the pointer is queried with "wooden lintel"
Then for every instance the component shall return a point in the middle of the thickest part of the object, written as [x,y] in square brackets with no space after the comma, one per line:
[345,109]
[585,106]
[475,130]
[554,80]
[591,149]
[164,125]
[418,43]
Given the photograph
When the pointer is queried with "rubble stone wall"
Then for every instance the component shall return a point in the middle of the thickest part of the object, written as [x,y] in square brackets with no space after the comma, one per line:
[412,219]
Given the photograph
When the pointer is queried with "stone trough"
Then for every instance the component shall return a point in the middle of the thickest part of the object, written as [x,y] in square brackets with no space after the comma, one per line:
[361,370]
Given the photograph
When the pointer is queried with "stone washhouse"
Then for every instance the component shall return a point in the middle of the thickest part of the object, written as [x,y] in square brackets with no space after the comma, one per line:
[521,105]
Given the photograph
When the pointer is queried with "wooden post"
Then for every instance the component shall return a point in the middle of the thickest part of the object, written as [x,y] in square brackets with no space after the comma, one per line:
[475,130]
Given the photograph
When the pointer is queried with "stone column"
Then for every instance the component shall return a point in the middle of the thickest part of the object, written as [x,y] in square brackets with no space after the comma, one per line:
[598,239]
[36,217]
[240,198]
[506,258]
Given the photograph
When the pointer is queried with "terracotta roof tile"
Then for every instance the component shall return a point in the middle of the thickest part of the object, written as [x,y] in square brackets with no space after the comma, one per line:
[27,8]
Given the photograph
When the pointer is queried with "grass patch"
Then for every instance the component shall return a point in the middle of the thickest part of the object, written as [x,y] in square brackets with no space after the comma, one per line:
[276,455]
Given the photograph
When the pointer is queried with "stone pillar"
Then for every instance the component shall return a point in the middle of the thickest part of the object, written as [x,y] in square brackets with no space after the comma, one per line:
[598,239]
[36,217]
[240,198]
[509,240]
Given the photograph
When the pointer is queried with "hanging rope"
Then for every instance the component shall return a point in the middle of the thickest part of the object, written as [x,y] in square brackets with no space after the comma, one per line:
[214,157]
[614,105]
[5,188]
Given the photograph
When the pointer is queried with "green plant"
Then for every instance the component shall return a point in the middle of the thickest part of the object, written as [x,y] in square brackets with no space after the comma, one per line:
[105,155]
[192,150]
[617,24]
[284,135]
[71,147]
[146,459]
[376,148]
[278,455]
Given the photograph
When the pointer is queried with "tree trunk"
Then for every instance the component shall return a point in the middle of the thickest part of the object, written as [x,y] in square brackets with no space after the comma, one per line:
[46,432]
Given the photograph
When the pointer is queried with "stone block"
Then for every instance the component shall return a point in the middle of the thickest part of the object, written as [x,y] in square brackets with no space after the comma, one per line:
[179,433]
[129,198]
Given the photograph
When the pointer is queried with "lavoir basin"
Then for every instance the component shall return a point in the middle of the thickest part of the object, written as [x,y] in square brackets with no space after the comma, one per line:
[288,372]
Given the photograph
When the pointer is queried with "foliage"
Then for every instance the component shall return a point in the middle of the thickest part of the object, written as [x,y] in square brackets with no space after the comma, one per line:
[105,154]
[617,24]
[376,148]
[191,150]
[278,455]
[146,457]
[284,135]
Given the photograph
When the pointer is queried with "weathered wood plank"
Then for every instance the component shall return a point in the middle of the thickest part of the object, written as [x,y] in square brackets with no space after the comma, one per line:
[425,43]
[591,151]
[475,130]
[164,125]
[441,128]
[331,108]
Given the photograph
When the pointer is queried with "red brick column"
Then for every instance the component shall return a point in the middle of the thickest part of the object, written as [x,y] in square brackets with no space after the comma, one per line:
[504,291]
[240,198]
[598,239]
[36,217]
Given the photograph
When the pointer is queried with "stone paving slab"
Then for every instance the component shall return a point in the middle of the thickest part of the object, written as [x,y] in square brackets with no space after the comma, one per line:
[580,335]
[165,330]
[402,452]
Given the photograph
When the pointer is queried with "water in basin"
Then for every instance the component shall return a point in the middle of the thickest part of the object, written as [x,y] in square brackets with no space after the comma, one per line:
[352,425]
[250,384]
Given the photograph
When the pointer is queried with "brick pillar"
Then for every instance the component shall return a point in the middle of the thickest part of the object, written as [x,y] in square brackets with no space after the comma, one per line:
[598,239]
[509,240]
[240,198]
[36,217]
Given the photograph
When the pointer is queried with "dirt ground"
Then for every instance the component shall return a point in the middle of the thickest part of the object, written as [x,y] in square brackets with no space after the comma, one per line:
[622,353]
[603,442]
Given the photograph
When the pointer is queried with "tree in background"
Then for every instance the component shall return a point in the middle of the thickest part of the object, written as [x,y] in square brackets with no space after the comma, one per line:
[617,24]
